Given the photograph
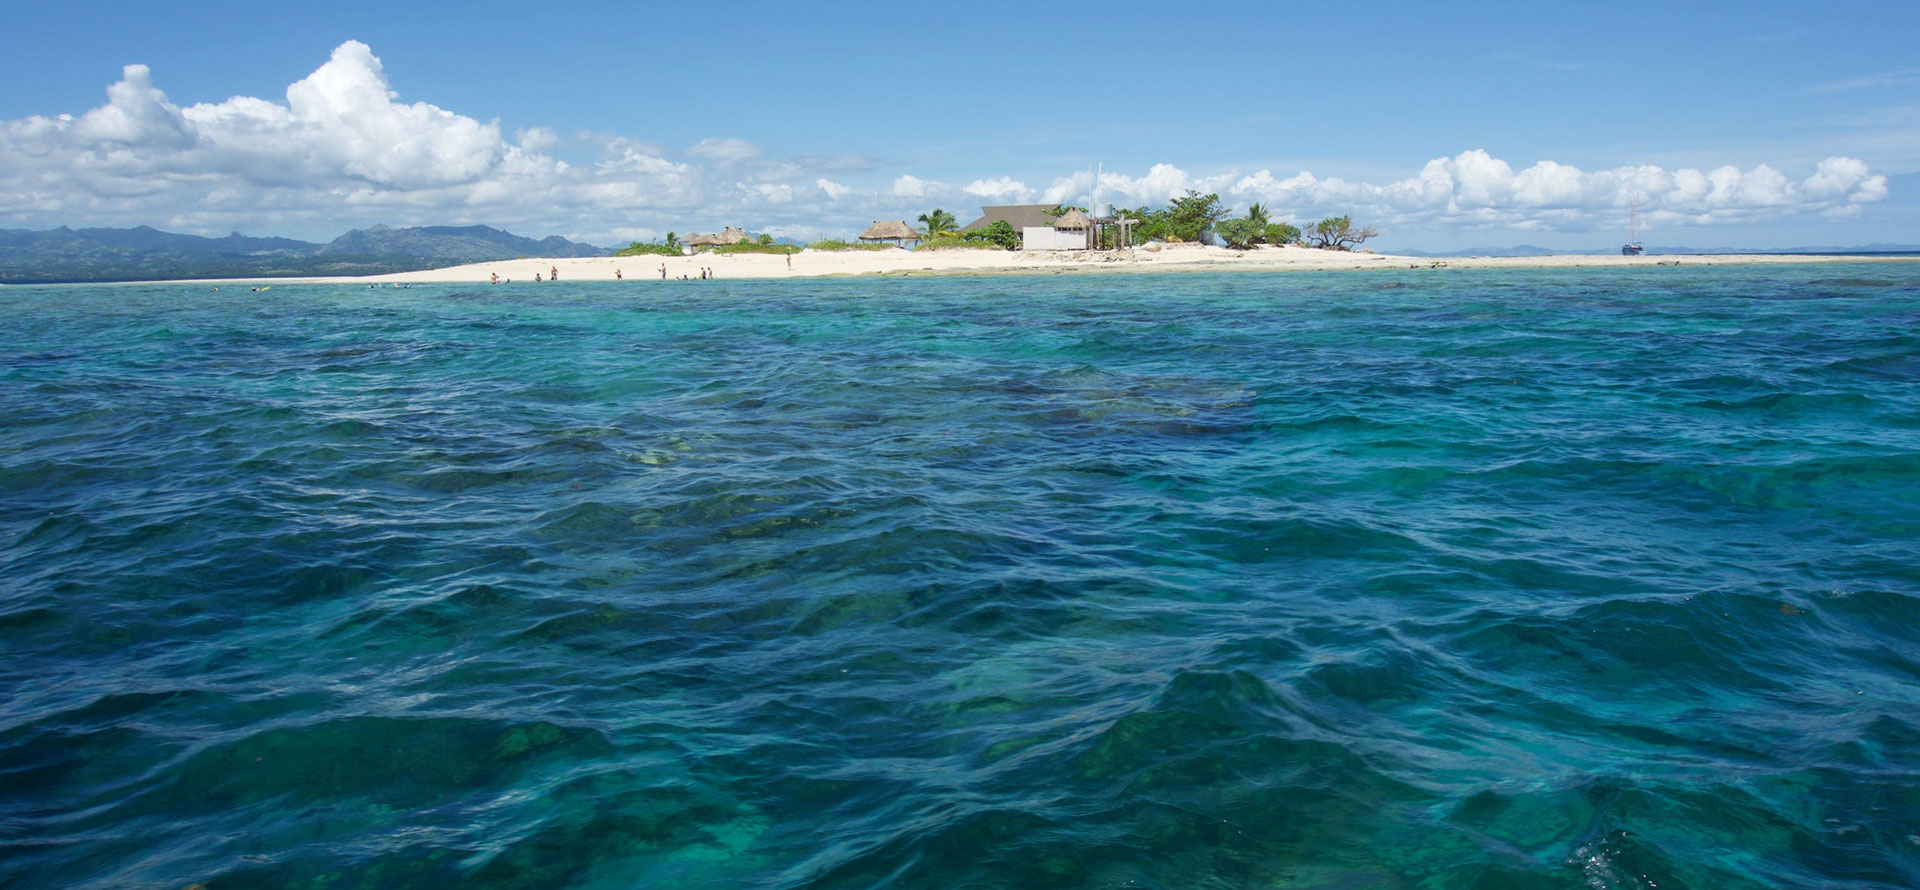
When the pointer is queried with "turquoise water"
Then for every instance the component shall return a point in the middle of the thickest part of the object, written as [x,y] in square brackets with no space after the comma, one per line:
[1414,579]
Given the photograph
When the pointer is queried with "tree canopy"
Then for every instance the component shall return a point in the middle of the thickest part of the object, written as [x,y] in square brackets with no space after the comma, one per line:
[1240,234]
[998,233]
[939,222]
[1338,233]
[1192,214]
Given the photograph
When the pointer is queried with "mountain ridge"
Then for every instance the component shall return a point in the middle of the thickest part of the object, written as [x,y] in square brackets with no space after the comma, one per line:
[144,253]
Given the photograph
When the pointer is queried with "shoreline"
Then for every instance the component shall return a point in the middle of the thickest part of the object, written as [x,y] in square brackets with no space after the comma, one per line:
[1156,258]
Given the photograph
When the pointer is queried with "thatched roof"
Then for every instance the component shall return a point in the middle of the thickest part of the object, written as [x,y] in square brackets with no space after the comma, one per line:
[1072,219]
[1019,216]
[890,230]
[707,240]
[731,235]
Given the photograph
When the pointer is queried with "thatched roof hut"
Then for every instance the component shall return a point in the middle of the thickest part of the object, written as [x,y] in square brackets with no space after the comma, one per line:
[890,230]
[1073,219]
[707,240]
[1019,216]
[733,235]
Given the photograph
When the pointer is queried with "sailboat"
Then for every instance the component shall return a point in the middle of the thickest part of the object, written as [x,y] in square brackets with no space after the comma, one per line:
[1632,247]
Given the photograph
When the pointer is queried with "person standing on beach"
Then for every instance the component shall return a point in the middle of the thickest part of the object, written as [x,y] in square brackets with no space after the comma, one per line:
[663,271]
[553,273]
[616,275]
[789,262]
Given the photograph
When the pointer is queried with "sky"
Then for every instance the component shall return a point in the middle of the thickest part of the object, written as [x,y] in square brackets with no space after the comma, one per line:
[1749,125]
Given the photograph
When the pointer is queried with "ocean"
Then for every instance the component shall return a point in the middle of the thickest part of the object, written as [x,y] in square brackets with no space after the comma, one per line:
[1587,578]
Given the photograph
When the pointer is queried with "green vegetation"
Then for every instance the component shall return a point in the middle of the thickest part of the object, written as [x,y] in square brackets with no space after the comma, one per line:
[835,244]
[639,249]
[998,233]
[672,247]
[1240,234]
[1185,219]
[763,246]
[997,236]
[1192,214]
[938,223]
[1337,233]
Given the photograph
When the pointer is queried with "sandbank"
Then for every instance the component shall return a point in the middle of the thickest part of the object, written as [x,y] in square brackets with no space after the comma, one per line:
[1148,258]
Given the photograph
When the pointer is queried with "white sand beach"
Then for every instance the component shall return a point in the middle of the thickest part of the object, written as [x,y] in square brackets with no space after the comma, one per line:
[1149,258]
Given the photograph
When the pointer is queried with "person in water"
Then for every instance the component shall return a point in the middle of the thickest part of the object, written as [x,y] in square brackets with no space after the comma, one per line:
[536,278]
[553,274]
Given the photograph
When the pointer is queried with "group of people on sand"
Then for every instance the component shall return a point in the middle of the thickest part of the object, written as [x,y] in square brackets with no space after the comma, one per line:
[553,274]
[705,273]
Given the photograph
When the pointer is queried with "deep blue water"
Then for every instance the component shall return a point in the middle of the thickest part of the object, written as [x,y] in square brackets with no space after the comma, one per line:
[1435,578]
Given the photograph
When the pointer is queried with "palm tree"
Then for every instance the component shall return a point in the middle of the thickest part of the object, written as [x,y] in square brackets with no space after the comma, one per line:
[1257,215]
[939,222]
[672,240]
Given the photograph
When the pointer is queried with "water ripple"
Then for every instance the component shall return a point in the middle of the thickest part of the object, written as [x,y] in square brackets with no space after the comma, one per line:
[1524,578]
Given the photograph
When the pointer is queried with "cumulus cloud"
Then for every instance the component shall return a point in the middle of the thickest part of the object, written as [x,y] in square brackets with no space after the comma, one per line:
[773,193]
[343,149]
[340,149]
[1004,188]
[537,138]
[1476,188]
[1162,183]
[910,186]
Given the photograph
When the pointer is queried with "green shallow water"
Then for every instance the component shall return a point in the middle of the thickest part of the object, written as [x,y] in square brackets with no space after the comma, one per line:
[1414,579]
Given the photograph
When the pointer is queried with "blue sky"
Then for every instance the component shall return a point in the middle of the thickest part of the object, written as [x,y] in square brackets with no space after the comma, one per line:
[1749,125]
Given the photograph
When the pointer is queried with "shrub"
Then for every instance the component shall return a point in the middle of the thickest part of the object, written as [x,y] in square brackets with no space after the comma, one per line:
[998,234]
[1337,233]
[1282,233]
[1240,234]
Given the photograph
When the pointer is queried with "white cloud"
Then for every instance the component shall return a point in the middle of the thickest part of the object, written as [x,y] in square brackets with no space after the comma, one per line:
[1475,188]
[136,113]
[343,150]
[910,186]
[773,193]
[1162,183]
[536,139]
[725,151]
[1004,188]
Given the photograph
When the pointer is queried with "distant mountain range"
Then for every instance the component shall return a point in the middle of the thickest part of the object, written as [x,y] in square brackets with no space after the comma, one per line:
[1652,250]
[148,254]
